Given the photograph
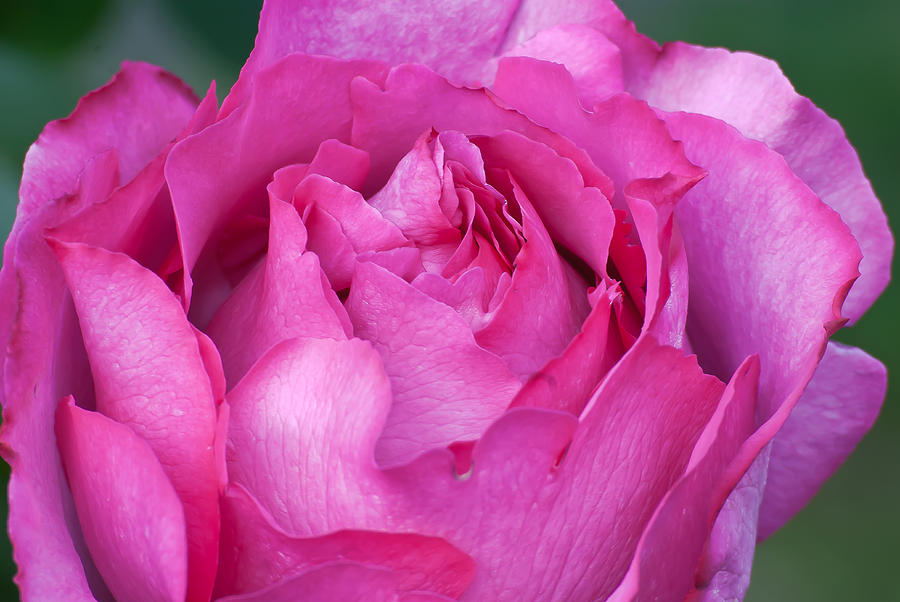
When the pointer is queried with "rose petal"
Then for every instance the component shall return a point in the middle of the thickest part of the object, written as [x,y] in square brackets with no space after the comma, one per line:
[753,95]
[723,573]
[149,374]
[305,100]
[121,126]
[539,314]
[301,393]
[802,257]
[622,135]
[666,557]
[132,518]
[139,111]
[137,218]
[445,387]
[342,225]
[284,298]
[567,382]
[534,16]
[837,408]
[256,553]
[459,37]
[594,62]
[338,581]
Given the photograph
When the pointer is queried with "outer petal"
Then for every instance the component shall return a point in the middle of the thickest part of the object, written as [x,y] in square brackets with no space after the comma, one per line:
[304,100]
[132,518]
[37,322]
[839,406]
[445,387]
[136,113]
[286,297]
[149,374]
[256,553]
[784,284]
[458,38]
[752,94]
[534,16]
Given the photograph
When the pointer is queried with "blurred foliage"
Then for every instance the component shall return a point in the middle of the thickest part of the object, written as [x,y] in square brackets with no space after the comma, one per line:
[843,546]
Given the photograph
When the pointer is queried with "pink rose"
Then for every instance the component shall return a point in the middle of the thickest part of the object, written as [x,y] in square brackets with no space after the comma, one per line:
[412,316]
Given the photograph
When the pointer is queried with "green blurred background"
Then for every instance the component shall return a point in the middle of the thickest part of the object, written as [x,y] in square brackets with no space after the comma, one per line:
[846,57]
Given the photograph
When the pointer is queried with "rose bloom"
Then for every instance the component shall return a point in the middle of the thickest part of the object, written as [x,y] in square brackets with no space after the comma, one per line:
[452,300]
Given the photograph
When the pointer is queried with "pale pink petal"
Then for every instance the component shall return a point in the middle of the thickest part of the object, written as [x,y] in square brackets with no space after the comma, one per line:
[257,553]
[753,95]
[304,100]
[445,387]
[837,408]
[593,60]
[304,407]
[149,374]
[723,573]
[666,557]
[132,519]
[786,286]
[284,298]
[457,38]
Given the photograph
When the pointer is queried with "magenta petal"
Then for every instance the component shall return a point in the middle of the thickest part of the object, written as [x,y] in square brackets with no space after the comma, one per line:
[723,573]
[150,375]
[137,113]
[338,581]
[566,382]
[753,95]
[456,39]
[304,407]
[445,387]
[132,519]
[305,100]
[342,225]
[554,185]
[540,313]
[667,555]
[839,406]
[284,298]
[594,62]
[102,141]
[622,135]
[256,553]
